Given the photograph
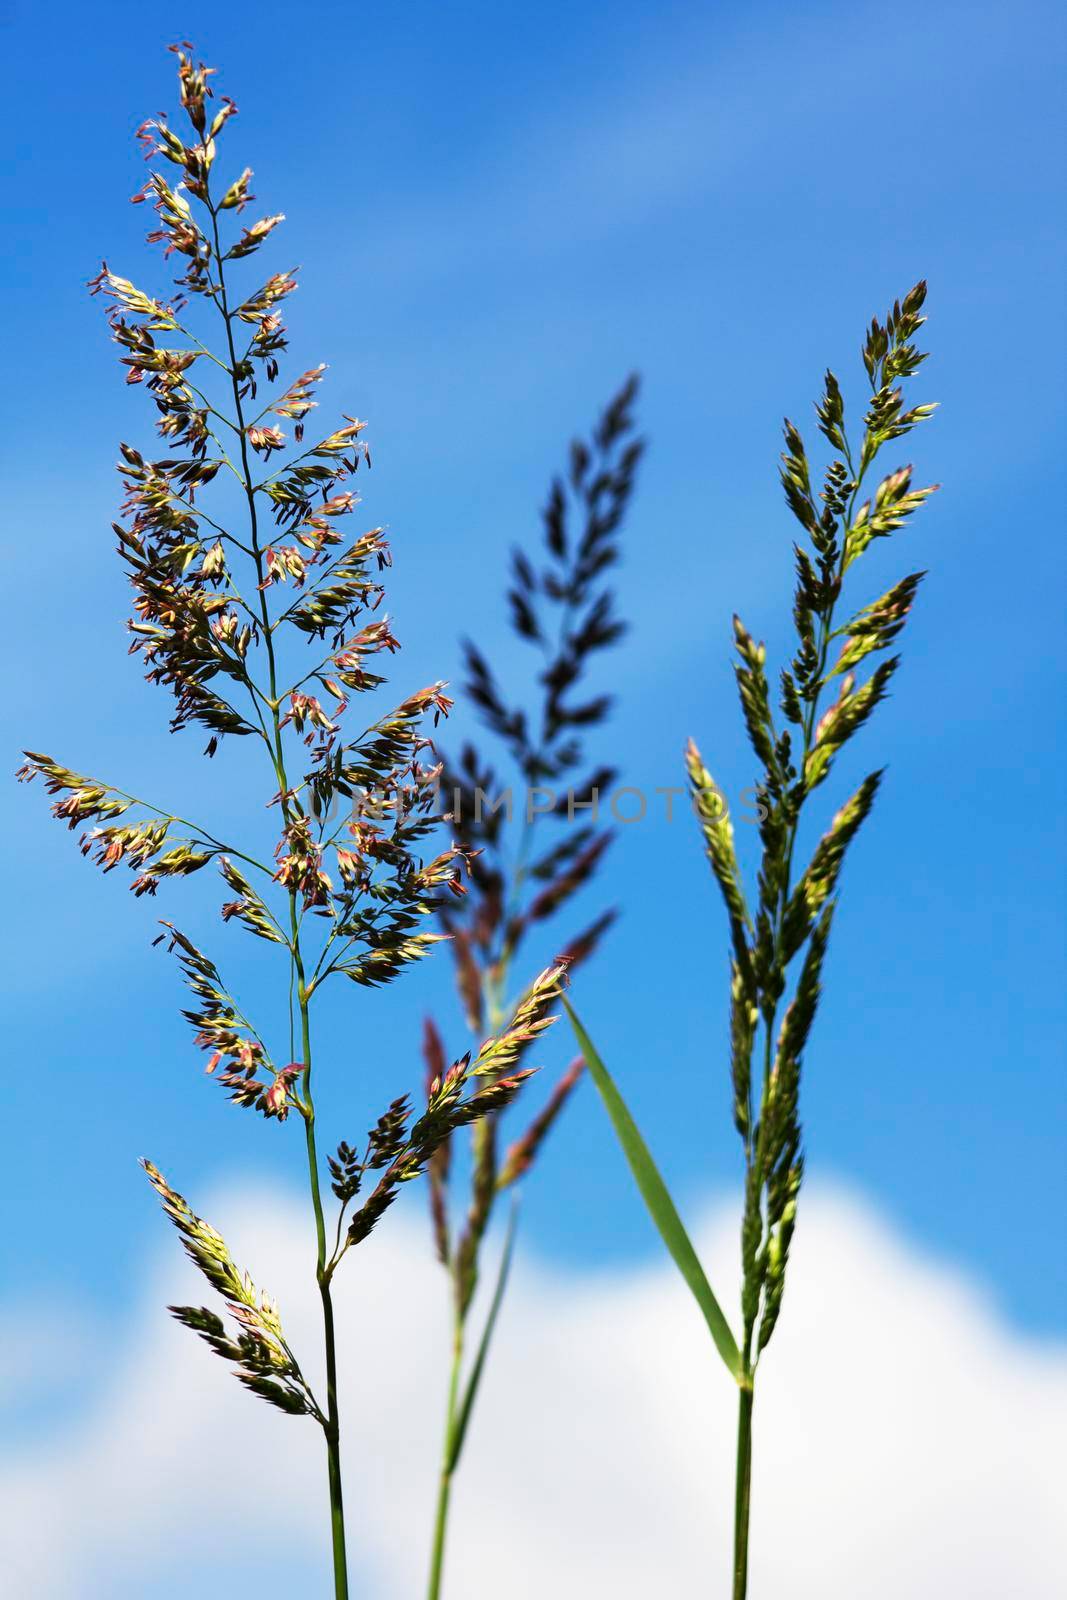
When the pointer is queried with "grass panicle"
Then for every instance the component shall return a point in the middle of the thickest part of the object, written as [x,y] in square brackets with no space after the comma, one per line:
[529,823]
[779,932]
[266,631]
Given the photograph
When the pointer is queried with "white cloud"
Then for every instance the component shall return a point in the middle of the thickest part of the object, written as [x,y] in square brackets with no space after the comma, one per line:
[908,1443]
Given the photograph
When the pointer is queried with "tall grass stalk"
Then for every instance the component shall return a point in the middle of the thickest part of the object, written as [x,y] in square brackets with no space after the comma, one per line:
[258,616]
[533,844]
[779,936]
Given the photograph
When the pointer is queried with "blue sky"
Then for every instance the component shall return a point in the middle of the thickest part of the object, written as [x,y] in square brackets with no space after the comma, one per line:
[499,213]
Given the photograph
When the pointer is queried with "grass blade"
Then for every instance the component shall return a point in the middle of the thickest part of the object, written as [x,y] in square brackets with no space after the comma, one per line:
[657,1198]
[463,1414]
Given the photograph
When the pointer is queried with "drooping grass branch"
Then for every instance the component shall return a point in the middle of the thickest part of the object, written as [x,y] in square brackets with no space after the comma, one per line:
[779,937]
[538,783]
[348,892]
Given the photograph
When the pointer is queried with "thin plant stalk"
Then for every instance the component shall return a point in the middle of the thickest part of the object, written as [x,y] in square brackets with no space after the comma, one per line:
[461,1398]
[444,1487]
[323,1272]
[742,1490]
